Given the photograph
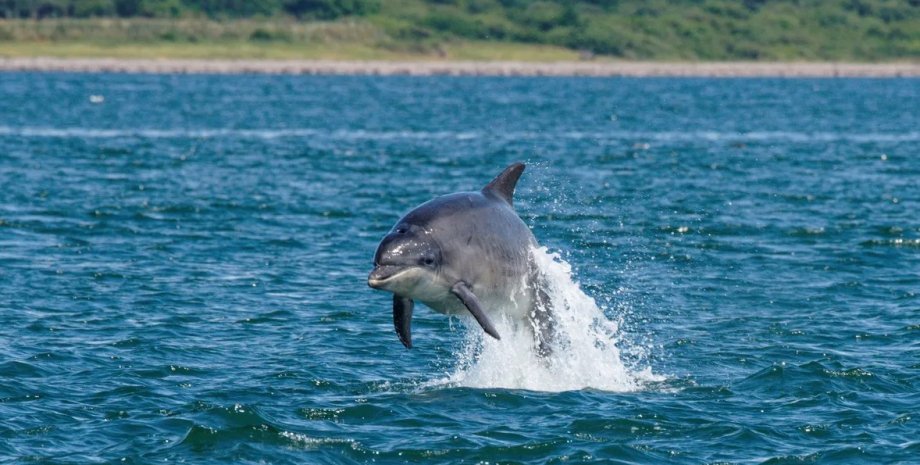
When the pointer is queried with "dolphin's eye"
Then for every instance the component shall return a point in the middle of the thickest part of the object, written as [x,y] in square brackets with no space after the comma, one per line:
[402,230]
[428,261]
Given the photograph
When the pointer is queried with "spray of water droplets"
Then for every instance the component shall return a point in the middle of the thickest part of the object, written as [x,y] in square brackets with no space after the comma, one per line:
[585,352]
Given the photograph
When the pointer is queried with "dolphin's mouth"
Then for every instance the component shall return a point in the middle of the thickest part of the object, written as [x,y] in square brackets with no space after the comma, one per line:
[382,274]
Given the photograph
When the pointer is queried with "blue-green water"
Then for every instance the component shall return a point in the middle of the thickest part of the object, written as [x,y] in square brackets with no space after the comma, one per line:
[183,269]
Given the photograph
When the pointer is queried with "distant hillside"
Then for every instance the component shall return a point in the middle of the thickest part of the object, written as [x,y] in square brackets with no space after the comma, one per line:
[853,30]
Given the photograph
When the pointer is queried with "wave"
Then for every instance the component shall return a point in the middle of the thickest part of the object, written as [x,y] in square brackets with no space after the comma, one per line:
[349,134]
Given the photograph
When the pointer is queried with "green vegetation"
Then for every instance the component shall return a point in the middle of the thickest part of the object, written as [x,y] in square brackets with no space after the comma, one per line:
[850,30]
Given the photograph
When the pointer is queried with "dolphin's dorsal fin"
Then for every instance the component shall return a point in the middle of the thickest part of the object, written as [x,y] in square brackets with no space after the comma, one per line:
[502,186]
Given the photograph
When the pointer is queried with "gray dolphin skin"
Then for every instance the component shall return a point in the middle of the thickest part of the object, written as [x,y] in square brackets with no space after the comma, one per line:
[464,252]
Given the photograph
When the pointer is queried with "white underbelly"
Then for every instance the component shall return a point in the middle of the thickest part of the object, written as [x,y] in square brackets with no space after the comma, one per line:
[515,304]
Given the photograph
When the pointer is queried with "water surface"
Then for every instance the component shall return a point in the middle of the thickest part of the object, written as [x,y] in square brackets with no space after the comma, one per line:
[183,265]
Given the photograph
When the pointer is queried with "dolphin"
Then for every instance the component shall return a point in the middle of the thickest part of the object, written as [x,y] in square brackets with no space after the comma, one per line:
[467,252]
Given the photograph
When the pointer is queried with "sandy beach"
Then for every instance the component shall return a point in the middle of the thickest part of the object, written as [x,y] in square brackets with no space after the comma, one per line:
[462,68]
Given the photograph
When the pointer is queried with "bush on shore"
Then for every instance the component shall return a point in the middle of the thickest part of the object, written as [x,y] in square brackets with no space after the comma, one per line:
[861,30]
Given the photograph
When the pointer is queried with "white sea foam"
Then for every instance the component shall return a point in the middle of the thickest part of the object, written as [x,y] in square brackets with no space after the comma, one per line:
[358,134]
[585,349]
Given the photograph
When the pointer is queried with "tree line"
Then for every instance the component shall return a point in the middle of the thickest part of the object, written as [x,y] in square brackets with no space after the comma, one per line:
[218,9]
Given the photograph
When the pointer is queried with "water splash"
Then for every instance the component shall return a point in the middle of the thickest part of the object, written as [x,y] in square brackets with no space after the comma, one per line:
[585,348]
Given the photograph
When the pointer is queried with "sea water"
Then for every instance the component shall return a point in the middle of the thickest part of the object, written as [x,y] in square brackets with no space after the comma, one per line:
[734,263]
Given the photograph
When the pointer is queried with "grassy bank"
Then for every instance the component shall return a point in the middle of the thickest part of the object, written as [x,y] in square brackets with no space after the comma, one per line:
[681,30]
[700,30]
[248,39]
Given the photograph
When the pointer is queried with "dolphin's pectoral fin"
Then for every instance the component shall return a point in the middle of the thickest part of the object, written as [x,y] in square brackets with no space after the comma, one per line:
[463,292]
[402,319]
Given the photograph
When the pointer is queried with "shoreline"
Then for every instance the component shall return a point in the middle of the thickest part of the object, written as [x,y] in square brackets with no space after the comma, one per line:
[463,68]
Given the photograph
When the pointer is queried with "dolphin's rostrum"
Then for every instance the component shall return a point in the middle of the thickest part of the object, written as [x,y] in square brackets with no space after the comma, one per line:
[464,252]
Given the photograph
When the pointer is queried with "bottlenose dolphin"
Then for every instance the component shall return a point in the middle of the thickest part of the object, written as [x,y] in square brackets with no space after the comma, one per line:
[464,252]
